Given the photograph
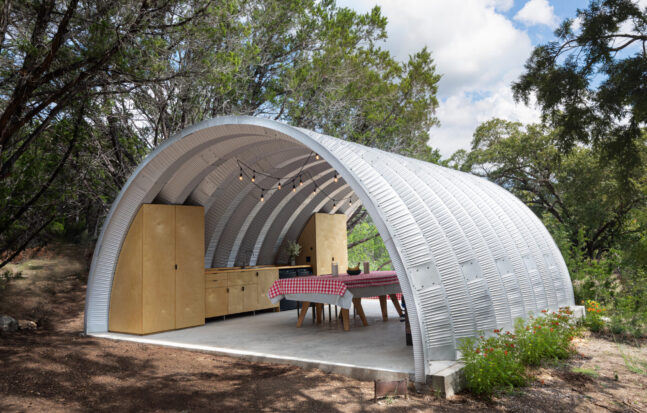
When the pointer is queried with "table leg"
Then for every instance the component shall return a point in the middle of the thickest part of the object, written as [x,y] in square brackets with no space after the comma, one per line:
[396,304]
[385,314]
[319,308]
[357,303]
[345,319]
[304,310]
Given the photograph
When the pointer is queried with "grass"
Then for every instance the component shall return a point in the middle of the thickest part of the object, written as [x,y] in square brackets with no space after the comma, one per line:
[633,363]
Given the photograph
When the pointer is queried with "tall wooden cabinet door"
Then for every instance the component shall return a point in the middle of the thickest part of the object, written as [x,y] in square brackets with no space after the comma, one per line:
[265,280]
[235,299]
[189,257]
[250,297]
[158,262]
[126,295]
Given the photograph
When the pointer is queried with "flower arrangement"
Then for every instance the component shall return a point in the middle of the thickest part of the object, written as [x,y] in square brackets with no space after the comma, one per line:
[294,249]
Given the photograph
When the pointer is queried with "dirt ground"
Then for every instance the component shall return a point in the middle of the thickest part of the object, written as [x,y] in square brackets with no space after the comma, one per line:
[55,368]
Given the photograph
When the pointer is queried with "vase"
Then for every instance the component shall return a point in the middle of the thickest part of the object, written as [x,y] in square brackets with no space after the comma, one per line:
[293,262]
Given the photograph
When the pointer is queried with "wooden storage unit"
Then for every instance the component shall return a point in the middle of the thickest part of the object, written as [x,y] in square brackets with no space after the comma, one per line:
[159,280]
[238,290]
[322,239]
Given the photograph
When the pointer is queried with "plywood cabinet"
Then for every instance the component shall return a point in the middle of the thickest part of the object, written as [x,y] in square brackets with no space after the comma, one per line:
[159,279]
[238,290]
[322,240]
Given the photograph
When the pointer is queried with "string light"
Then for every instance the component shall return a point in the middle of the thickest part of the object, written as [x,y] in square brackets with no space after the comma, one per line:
[244,170]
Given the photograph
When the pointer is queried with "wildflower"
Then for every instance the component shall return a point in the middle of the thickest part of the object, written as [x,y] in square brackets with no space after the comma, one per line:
[552,329]
[544,311]
[505,352]
[512,345]
[538,327]
[497,331]
[478,350]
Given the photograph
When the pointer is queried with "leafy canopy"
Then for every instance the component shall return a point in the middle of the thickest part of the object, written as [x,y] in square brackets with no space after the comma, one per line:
[591,83]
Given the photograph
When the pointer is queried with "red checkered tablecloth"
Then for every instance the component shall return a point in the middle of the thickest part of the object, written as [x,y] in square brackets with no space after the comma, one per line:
[328,284]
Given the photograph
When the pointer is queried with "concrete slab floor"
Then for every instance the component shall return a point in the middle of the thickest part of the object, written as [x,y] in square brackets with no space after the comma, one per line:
[376,352]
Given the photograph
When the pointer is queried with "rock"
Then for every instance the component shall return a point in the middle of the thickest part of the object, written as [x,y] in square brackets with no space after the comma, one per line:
[27,325]
[8,323]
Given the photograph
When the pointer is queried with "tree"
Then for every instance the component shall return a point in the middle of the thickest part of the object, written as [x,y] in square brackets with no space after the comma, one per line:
[585,194]
[591,84]
[87,88]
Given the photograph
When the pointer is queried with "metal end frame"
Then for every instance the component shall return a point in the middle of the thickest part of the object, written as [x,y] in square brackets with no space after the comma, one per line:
[469,255]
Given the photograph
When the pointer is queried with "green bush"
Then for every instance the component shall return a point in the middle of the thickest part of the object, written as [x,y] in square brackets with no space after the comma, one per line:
[499,361]
[547,337]
[491,364]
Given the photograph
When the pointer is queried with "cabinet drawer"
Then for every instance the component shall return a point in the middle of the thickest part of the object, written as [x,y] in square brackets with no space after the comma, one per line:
[242,278]
[213,281]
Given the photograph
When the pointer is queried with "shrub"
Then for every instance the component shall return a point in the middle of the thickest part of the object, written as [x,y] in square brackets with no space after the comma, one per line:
[499,361]
[594,312]
[546,338]
[491,364]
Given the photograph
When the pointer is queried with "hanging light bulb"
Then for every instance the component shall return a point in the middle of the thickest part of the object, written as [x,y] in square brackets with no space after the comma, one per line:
[314,190]
[240,178]
[300,181]
[335,178]
[294,188]
[262,197]
[316,156]
[334,203]
[350,201]
[254,176]
[279,185]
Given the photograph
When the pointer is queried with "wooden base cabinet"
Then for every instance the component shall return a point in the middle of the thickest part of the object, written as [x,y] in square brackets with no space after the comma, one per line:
[238,291]
[159,279]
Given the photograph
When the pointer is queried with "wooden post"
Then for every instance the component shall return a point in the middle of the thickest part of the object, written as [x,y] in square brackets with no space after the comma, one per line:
[357,303]
[345,319]
[304,310]
[396,304]
[385,314]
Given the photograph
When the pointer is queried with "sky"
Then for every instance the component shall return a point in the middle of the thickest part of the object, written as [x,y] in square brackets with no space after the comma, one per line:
[479,47]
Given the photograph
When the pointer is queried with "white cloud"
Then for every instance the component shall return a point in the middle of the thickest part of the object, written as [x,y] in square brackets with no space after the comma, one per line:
[537,12]
[460,115]
[478,51]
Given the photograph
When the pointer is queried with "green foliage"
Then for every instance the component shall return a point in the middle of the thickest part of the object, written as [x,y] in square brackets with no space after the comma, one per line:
[547,337]
[371,250]
[594,314]
[79,112]
[499,361]
[491,364]
[590,83]
[587,196]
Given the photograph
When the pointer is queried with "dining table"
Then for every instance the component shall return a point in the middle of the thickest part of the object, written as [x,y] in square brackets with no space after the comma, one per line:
[341,290]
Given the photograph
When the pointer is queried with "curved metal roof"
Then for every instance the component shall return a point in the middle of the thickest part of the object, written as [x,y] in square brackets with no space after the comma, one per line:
[469,255]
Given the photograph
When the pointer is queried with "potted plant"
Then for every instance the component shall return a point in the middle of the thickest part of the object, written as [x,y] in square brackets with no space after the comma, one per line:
[294,249]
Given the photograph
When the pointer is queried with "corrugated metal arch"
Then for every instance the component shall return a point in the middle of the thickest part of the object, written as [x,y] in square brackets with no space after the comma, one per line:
[469,255]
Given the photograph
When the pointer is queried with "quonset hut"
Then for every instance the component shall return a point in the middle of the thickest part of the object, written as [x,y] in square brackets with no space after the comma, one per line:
[469,255]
